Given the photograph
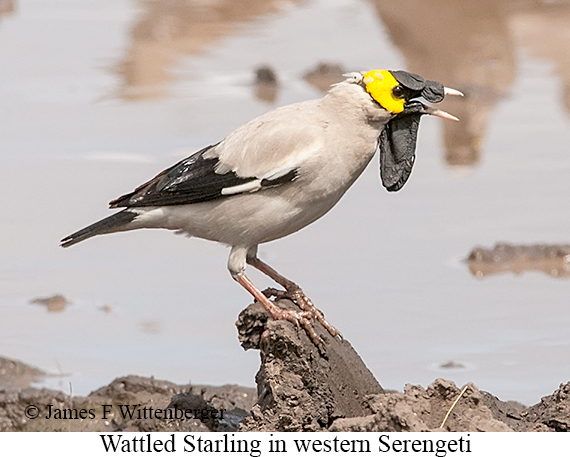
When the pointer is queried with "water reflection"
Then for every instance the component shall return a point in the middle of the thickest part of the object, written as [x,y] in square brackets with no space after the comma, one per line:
[7,6]
[324,75]
[469,45]
[266,84]
[545,31]
[472,46]
[466,44]
[14,373]
[168,29]
[150,326]
[554,260]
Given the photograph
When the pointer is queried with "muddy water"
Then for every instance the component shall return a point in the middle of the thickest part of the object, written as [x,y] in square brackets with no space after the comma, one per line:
[96,97]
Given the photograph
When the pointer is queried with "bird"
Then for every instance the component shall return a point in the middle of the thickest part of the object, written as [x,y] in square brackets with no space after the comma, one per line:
[282,171]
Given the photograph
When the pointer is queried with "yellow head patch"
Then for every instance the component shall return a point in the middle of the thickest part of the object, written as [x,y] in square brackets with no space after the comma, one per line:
[379,84]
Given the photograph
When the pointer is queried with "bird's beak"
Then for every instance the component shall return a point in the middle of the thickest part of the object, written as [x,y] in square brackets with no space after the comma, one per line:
[438,113]
[441,113]
[450,91]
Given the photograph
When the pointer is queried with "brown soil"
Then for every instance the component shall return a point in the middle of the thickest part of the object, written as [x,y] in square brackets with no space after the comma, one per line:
[552,259]
[298,389]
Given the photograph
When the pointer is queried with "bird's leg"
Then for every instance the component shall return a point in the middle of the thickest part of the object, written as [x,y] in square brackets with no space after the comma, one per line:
[302,318]
[294,292]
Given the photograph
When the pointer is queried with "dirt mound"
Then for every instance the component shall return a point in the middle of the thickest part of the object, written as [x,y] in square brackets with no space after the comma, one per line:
[420,410]
[130,403]
[298,389]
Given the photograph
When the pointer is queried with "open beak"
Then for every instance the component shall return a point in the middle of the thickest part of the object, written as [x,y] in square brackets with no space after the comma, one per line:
[438,113]
[441,113]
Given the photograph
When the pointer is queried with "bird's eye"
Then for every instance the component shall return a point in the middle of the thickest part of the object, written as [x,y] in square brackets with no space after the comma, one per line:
[398,92]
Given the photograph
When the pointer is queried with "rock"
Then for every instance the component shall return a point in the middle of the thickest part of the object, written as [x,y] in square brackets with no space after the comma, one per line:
[13,404]
[553,411]
[299,389]
[421,410]
[131,392]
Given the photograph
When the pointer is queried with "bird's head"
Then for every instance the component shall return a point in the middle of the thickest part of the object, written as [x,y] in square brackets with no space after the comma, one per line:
[397,92]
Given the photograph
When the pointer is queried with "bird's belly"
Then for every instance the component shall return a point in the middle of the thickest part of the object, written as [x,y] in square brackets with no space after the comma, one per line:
[247,219]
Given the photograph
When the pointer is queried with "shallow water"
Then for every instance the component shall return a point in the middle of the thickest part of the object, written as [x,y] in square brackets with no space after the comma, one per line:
[97,97]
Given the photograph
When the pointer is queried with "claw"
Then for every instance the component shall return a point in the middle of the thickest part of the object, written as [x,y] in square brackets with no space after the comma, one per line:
[307,305]
[303,320]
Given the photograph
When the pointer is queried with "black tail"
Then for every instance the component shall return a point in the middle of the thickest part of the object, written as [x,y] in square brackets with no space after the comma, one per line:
[103,226]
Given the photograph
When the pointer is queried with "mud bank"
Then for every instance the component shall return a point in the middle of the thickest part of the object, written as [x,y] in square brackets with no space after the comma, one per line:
[298,389]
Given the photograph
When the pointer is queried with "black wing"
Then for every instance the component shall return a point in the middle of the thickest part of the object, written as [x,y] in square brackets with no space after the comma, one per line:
[192,180]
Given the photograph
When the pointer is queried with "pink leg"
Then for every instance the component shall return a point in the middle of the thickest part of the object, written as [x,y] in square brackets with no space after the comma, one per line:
[294,292]
[302,318]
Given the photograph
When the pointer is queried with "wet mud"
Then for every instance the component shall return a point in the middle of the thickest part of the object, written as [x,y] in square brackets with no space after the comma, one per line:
[552,259]
[54,303]
[130,403]
[299,388]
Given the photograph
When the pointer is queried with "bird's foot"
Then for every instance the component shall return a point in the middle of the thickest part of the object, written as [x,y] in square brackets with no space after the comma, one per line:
[305,303]
[301,319]
[296,295]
